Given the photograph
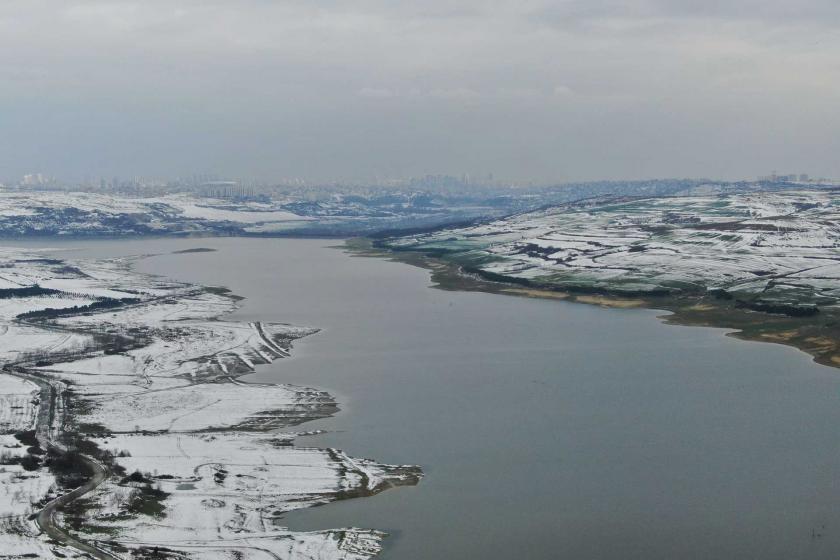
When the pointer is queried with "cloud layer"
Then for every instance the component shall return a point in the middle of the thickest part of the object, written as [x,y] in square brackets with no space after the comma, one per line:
[533,90]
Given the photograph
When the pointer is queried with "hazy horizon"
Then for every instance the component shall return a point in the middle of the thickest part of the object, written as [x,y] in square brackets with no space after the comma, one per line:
[532,91]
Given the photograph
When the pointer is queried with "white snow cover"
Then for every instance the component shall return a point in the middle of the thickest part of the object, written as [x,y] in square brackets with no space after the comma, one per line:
[206,406]
[151,373]
[31,203]
[21,490]
[18,403]
[227,485]
[208,209]
[781,245]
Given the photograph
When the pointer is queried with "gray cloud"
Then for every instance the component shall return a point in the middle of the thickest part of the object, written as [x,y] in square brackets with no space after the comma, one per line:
[533,90]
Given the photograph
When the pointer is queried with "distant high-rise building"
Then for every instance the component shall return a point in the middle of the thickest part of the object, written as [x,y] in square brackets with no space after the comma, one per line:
[776,178]
[33,179]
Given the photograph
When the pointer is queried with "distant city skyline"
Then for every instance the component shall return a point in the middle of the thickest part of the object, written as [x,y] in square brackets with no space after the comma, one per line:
[430,180]
[543,91]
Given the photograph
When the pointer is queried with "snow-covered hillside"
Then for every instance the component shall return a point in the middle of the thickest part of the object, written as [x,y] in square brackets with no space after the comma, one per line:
[60,213]
[781,246]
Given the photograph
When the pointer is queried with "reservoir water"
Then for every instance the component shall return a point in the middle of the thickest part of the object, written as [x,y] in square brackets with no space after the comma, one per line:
[546,429]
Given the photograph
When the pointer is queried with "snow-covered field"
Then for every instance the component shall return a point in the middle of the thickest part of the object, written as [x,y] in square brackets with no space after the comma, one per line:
[225,486]
[90,214]
[779,246]
[22,488]
[81,213]
[149,369]
[18,401]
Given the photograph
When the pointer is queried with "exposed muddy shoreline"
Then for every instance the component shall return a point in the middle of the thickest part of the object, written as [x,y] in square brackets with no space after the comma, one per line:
[817,335]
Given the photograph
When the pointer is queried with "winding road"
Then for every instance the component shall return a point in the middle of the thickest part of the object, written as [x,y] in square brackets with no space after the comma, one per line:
[46,518]
[47,432]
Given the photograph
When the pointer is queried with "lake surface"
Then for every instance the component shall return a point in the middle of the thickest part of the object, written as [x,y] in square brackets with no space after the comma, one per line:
[546,429]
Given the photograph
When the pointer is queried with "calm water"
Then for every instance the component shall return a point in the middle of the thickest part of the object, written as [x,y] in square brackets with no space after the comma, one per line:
[546,429]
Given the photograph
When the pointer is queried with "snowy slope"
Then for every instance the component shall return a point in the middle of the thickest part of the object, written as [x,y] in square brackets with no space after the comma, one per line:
[780,245]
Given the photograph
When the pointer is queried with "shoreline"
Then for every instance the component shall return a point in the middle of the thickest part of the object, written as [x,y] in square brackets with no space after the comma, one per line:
[153,396]
[817,335]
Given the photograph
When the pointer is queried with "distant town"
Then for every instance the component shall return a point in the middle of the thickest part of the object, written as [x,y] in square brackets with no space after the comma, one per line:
[215,186]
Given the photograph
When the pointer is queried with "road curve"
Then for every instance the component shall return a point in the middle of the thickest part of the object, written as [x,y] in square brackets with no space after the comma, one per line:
[46,517]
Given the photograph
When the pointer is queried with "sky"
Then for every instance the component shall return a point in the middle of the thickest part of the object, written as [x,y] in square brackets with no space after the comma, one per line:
[529,90]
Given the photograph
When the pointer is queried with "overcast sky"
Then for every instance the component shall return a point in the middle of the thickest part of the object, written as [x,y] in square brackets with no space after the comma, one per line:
[525,89]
